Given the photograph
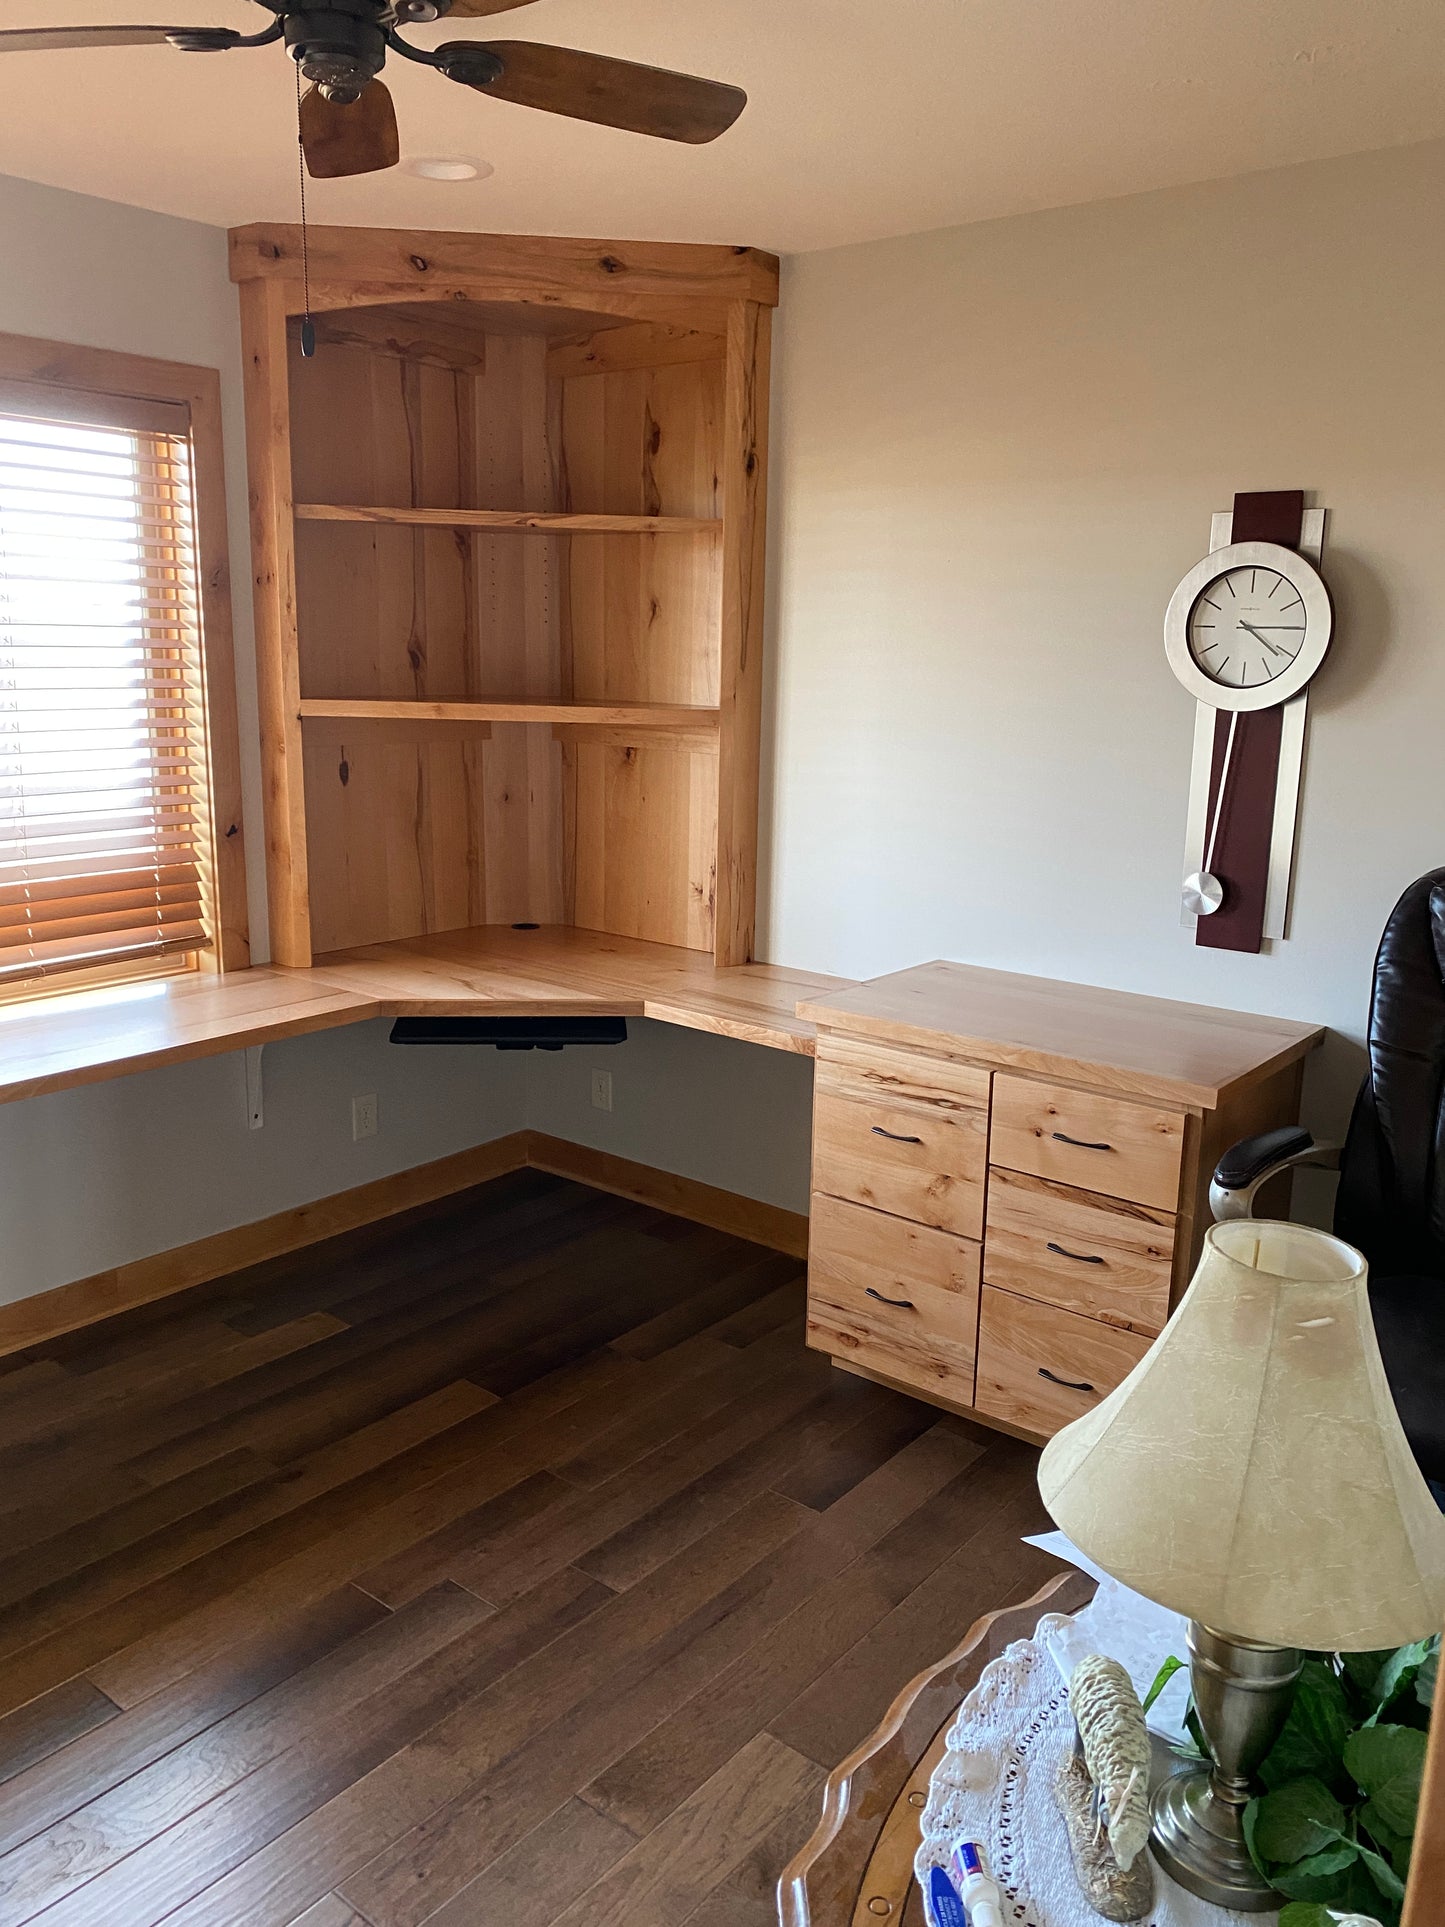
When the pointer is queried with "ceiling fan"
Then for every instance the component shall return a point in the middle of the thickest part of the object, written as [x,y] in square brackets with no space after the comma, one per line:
[348,123]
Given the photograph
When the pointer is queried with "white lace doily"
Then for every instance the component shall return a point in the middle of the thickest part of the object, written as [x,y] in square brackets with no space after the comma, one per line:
[994,1783]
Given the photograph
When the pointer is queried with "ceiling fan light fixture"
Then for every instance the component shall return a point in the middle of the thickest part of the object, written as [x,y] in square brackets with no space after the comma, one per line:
[447,167]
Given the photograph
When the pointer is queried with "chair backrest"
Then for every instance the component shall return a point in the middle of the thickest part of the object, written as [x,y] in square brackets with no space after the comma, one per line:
[1391,1200]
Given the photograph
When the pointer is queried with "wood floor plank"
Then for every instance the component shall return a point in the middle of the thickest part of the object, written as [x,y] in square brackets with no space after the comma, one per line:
[34,1732]
[699,1845]
[153,1659]
[530,1884]
[114,1826]
[747,1896]
[511,1563]
[529,1737]
[507,1565]
[848,1571]
[49,1790]
[162,1579]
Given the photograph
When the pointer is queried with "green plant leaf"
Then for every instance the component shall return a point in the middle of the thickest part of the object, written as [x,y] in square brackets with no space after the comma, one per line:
[1311,1742]
[1382,1873]
[1306,1913]
[1425,1678]
[1386,1762]
[1398,1672]
[1292,1822]
[1363,1669]
[1394,1845]
[1350,1891]
[1162,1678]
[1320,1875]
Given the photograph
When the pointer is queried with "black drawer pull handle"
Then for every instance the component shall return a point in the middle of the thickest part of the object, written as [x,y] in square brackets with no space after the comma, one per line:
[1080,1143]
[902,1304]
[1079,1257]
[893,1136]
[1070,1384]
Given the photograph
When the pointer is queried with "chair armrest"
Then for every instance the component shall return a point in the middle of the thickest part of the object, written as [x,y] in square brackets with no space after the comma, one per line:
[1253,1161]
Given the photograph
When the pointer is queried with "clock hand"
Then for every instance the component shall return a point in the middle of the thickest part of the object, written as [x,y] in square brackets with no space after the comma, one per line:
[1273,648]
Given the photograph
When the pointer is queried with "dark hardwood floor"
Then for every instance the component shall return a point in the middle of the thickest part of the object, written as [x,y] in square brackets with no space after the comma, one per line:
[510,1563]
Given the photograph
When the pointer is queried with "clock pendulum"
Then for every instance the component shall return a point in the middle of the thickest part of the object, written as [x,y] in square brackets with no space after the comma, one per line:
[1203,892]
[1245,632]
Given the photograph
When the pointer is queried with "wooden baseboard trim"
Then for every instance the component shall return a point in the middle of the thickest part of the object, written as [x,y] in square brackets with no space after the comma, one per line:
[50,1314]
[763,1224]
[67,1308]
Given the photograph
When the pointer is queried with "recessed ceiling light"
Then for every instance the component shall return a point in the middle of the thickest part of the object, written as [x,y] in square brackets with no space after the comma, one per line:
[448,167]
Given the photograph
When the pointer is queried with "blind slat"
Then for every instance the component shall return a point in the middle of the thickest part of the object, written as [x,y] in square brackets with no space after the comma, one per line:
[81,953]
[102,776]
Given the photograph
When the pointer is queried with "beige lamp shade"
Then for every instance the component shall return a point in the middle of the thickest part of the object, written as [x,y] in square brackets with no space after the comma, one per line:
[1250,1471]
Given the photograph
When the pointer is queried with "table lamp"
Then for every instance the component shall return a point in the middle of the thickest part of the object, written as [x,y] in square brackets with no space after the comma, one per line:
[1251,1473]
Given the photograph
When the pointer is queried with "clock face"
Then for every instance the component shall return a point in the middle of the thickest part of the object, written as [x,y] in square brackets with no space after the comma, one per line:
[1247,627]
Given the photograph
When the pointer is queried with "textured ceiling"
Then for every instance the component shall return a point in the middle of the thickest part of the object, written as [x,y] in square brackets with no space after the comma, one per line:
[864,120]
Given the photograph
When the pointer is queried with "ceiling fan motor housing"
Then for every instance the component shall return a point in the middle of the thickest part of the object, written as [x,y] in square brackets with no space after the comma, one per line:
[339,45]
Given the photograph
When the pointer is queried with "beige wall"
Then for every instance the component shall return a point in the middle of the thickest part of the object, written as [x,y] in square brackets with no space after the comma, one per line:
[997,450]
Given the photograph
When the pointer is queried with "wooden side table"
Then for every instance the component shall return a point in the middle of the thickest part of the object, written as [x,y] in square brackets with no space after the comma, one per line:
[857,1869]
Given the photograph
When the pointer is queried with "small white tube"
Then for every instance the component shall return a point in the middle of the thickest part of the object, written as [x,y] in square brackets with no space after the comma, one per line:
[978,1892]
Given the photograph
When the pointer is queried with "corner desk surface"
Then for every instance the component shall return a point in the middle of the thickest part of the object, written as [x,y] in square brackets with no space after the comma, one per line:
[1184,1053]
[497,972]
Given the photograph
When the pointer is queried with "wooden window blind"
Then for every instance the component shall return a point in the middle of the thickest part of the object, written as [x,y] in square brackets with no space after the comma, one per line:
[104,823]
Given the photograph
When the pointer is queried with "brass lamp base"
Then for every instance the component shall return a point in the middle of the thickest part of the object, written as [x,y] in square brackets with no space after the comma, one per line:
[1242,1693]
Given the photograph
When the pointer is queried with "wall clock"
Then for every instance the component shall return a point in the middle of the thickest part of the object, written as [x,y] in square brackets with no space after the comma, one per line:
[1245,632]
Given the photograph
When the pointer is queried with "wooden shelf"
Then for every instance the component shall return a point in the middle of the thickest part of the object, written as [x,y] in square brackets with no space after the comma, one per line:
[666,716]
[516,521]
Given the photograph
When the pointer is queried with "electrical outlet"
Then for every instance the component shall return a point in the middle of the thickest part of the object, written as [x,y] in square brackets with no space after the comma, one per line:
[363,1117]
[602,1090]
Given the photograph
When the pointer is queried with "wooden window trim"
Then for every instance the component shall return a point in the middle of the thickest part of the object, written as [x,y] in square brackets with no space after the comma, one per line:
[103,372]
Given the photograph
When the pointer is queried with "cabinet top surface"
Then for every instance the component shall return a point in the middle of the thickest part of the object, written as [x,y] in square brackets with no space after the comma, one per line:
[1188,1054]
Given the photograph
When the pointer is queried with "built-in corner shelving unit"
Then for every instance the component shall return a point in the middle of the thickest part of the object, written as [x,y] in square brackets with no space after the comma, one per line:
[508,533]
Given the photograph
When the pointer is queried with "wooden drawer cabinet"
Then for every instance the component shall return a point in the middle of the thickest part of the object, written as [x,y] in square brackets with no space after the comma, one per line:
[1108,1144]
[894,1297]
[1039,1367]
[1102,1257]
[1072,1130]
[917,1149]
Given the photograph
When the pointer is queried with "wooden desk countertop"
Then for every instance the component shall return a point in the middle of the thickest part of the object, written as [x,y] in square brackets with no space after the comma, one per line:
[1186,1054]
[53,1044]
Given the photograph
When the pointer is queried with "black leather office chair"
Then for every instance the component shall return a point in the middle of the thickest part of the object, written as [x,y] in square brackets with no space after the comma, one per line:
[1391,1200]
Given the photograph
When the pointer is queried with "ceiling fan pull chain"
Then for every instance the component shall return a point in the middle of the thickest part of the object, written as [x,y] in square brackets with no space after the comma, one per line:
[308,326]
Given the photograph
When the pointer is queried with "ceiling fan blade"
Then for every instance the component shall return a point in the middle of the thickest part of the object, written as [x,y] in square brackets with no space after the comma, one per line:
[584,86]
[482,9]
[21,40]
[349,137]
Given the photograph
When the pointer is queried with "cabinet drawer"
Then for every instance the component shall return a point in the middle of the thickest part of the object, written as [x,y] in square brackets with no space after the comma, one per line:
[1099,1256]
[920,1161]
[1107,1144]
[847,1067]
[1039,1367]
[893,1297]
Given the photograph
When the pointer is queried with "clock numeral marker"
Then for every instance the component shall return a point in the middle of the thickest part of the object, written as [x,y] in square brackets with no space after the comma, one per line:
[1252,574]
[1229,584]
[1212,605]
[1277,581]
[1298,603]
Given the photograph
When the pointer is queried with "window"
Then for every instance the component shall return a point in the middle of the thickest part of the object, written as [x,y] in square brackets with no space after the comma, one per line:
[110,755]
